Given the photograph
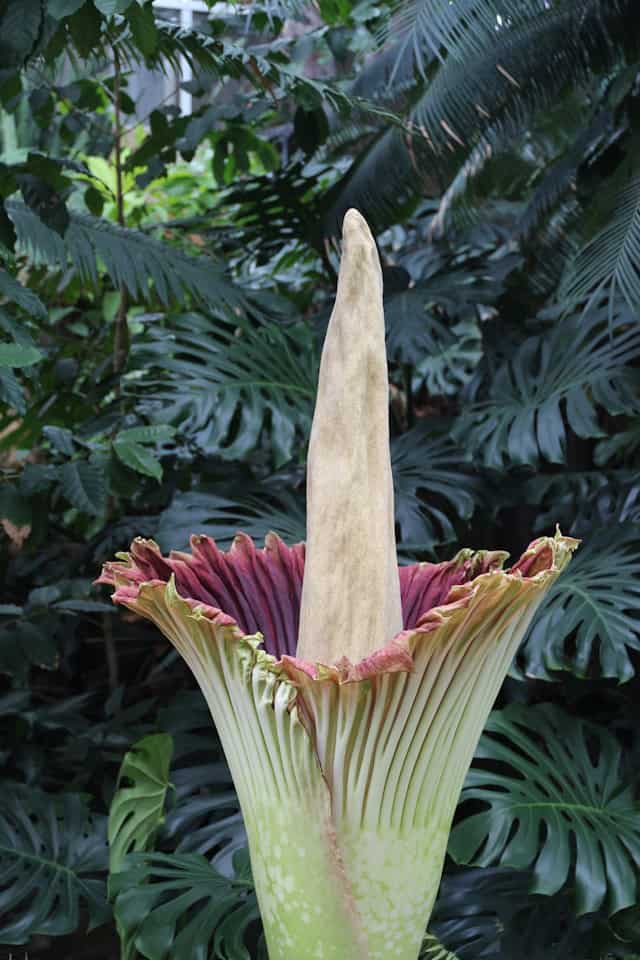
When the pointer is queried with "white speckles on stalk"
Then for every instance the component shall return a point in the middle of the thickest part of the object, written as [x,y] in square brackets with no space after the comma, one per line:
[351,592]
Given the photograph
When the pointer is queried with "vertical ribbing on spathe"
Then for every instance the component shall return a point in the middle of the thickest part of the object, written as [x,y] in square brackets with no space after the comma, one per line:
[306,901]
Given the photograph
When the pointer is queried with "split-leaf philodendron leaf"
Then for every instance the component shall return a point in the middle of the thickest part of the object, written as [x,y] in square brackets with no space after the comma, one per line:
[349,694]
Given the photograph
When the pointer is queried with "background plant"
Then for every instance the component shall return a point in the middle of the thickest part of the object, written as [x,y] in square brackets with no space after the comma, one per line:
[165,280]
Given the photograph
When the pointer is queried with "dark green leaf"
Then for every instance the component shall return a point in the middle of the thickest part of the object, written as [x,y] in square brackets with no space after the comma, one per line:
[137,809]
[591,613]
[54,857]
[83,485]
[143,27]
[558,783]
[21,24]
[179,905]
[138,458]
[26,299]
[17,355]
[60,439]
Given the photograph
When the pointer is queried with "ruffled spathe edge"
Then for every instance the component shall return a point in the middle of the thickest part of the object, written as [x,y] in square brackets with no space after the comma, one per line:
[482,575]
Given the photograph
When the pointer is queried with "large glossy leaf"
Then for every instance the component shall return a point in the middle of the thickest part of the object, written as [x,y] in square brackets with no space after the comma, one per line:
[205,814]
[581,364]
[83,485]
[434,487]
[53,859]
[227,386]
[554,799]
[137,808]
[589,619]
[180,906]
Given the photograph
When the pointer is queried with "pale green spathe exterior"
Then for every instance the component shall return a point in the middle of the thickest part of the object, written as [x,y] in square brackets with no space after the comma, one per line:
[348,789]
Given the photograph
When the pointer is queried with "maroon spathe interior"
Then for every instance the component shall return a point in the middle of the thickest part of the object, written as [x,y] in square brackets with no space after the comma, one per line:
[261,588]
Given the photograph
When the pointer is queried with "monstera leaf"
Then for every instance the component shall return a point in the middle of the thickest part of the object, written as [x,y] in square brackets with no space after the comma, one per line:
[557,802]
[137,807]
[557,378]
[53,857]
[488,914]
[591,611]
[178,905]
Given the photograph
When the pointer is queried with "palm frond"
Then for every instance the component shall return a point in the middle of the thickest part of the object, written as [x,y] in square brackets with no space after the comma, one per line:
[608,264]
[271,73]
[490,92]
[131,258]
[428,29]
[552,245]
[387,197]
[14,292]
[560,177]
[496,76]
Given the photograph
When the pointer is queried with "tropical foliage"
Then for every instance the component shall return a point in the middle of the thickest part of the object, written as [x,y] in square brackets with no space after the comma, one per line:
[165,281]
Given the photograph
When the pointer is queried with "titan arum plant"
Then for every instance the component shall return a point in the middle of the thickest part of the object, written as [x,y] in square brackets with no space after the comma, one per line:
[349,694]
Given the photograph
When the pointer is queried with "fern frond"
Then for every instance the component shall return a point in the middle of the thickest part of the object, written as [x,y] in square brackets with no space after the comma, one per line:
[131,258]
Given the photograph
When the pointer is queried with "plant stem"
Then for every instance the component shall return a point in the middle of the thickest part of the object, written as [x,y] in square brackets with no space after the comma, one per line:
[121,332]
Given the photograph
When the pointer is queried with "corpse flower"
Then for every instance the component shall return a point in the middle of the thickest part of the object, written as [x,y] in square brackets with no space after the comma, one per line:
[349,694]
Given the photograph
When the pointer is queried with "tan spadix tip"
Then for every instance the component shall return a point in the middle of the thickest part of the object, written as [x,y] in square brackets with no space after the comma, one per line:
[351,591]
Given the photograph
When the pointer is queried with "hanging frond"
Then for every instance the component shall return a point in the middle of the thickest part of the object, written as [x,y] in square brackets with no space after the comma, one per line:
[495,77]
[608,264]
[270,73]
[432,29]
[551,246]
[384,182]
[553,799]
[583,363]
[132,259]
